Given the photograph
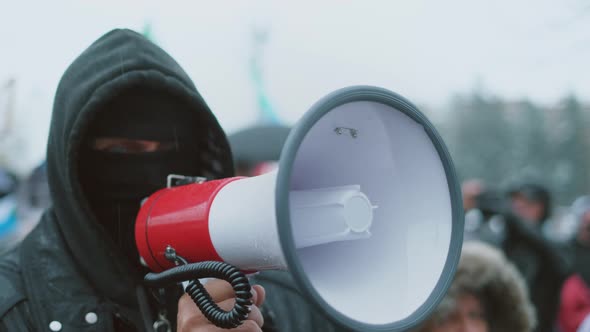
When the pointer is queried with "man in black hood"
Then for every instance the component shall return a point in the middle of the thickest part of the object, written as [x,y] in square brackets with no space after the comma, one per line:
[125,116]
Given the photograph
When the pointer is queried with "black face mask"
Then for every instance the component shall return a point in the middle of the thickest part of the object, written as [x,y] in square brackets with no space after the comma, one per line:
[116,181]
[133,176]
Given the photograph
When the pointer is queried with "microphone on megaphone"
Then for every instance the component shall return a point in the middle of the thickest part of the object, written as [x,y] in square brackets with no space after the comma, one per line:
[364,211]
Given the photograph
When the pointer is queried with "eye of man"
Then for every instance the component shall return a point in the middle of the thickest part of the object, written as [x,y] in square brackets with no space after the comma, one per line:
[126,145]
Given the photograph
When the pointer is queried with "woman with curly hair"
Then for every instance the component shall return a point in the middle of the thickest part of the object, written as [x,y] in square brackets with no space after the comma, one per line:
[487,295]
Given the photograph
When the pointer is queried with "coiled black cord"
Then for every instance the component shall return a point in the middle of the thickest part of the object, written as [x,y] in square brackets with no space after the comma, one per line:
[210,269]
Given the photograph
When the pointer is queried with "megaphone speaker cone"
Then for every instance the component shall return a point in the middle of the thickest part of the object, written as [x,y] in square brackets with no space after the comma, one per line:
[376,140]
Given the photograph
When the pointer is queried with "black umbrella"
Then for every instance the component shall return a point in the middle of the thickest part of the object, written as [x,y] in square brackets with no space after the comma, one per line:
[258,144]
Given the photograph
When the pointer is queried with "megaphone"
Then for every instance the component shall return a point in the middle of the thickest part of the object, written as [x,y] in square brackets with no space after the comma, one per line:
[364,210]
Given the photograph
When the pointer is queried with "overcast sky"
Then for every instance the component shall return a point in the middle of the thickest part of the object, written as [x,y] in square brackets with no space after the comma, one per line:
[424,50]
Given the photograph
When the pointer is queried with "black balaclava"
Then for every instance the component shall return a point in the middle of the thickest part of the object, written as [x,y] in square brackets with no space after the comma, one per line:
[116,180]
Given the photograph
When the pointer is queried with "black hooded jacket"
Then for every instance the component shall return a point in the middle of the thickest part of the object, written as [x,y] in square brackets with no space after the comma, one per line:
[68,275]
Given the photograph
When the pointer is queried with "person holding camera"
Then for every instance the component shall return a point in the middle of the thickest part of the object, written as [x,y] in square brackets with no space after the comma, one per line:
[523,212]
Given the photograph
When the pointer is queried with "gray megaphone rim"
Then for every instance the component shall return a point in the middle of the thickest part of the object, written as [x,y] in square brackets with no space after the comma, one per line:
[288,155]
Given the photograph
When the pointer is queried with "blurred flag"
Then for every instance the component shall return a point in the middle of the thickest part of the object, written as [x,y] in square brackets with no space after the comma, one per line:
[147,32]
[267,113]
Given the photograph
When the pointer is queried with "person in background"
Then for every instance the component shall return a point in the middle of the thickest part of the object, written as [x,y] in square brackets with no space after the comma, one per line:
[8,215]
[574,314]
[471,190]
[34,190]
[477,226]
[579,246]
[8,183]
[538,259]
[32,199]
[574,310]
[531,203]
[487,294]
[523,212]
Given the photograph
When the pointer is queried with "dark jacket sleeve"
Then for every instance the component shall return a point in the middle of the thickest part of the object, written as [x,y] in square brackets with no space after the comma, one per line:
[14,312]
[285,308]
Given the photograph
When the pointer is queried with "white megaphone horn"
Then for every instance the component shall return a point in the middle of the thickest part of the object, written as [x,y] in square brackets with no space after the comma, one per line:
[364,210]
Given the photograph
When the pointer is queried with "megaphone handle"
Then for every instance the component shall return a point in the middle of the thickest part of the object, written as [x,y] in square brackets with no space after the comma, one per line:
[196,290]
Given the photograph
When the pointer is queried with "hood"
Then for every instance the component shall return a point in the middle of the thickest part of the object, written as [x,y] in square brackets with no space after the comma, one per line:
[484,270]
[119,60]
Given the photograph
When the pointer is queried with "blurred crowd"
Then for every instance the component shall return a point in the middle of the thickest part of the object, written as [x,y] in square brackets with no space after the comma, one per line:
[518,272]
[523,267]
[22,201]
